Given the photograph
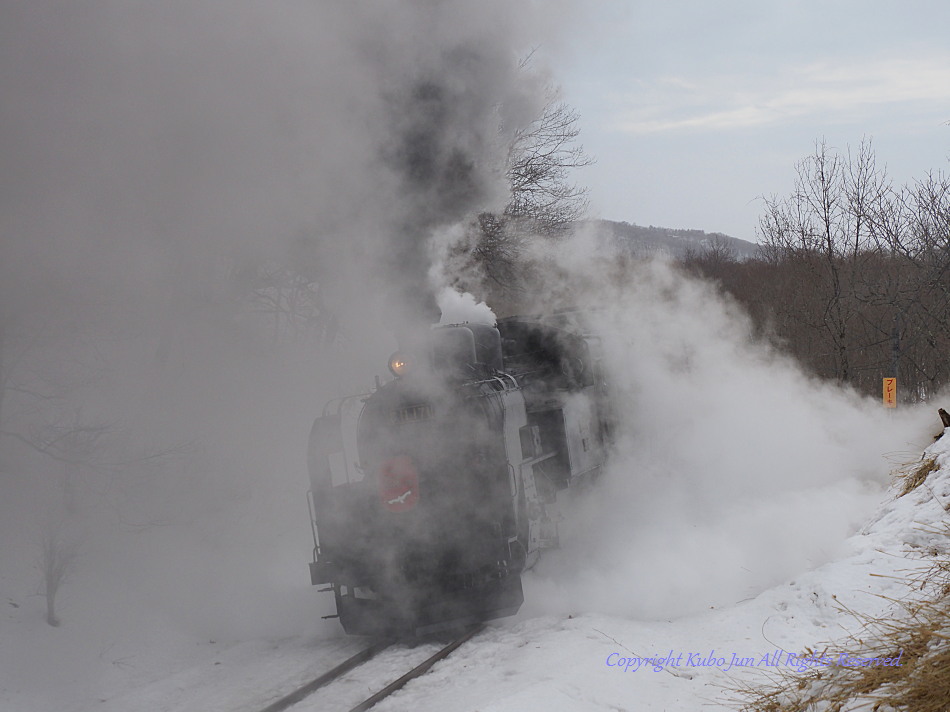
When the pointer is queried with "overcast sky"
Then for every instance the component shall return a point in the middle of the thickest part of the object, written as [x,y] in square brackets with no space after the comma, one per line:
[695,109]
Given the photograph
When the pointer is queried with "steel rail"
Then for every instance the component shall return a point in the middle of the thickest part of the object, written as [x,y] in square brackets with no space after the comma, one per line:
[418,670]
[328,677]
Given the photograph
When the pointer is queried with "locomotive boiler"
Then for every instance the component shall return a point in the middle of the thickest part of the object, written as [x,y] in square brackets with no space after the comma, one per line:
[433,493]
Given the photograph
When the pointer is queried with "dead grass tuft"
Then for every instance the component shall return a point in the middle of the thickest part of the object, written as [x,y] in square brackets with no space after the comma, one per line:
[913,476]
[918,631]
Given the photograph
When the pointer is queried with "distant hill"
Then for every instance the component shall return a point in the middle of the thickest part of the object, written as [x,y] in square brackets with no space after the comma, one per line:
[639,241]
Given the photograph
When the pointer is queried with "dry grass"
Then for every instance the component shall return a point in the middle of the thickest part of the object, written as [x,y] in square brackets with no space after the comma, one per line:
[913,476]
[919,631]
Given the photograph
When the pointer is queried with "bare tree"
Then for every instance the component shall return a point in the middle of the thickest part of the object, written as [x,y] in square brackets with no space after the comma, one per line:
[289,298]
[711,259]
[97,457]
[543,200]
[823,232]
[75,444]
[540,160]
[854,276]
[911,226]
[58,560]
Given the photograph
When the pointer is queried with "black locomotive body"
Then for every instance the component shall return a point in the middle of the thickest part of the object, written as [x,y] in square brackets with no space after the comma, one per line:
[430,495]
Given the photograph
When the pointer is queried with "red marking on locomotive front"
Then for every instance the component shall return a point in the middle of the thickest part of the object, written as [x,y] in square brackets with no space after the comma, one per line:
[398,484]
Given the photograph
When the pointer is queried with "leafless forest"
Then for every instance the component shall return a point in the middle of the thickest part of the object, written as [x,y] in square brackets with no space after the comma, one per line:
[854,274]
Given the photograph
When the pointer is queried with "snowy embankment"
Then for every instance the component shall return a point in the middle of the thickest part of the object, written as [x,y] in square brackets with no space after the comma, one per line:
[564,661]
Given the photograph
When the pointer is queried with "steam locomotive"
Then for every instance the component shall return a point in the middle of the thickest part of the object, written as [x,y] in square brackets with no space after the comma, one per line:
[433,493]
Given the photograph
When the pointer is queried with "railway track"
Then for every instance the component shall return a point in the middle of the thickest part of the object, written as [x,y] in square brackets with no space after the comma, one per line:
[361,657]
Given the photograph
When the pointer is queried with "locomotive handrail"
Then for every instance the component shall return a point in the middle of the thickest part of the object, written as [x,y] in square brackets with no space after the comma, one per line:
[509,376]
[313,523]
[495,379]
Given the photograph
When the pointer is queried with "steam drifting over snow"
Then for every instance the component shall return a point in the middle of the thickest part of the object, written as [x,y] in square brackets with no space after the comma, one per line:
[733,472]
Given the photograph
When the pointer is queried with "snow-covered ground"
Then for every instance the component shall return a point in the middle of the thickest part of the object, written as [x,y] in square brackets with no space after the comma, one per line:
[126,653]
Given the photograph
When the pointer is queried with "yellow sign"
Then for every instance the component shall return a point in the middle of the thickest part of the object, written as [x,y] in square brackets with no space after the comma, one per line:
[890,392]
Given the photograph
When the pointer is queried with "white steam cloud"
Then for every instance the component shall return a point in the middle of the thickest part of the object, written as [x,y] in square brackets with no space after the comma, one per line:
[733,471]
[461,307]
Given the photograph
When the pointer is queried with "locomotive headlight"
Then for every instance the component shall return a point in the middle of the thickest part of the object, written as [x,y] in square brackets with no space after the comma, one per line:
[398,364]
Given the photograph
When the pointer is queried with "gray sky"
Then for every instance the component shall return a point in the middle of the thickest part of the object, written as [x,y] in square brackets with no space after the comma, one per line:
[695,109]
